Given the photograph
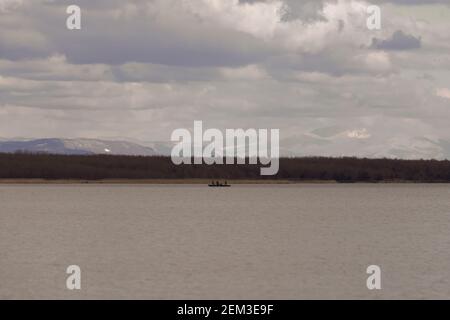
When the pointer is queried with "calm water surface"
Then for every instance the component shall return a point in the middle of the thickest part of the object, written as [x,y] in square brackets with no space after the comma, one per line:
[244,242]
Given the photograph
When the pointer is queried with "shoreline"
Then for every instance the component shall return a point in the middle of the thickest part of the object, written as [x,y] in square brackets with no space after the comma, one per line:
[152,181]
[197,182]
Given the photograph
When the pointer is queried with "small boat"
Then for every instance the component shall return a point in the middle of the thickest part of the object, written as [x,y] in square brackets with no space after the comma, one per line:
[219,185]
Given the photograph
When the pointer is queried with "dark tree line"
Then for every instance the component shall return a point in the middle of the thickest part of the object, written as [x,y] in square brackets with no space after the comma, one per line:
[96,167]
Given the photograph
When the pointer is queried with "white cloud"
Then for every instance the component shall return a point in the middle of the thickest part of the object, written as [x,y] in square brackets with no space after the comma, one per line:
[8,5]
[342,21]
[358,134]
[377,61]
[251,72]
[443,93]
[260,19]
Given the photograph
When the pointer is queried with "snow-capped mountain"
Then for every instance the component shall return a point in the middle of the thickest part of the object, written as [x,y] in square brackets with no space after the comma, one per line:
[361,144]
[76,147]
[298,145]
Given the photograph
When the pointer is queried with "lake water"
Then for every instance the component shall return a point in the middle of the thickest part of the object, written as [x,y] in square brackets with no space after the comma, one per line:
[245,242]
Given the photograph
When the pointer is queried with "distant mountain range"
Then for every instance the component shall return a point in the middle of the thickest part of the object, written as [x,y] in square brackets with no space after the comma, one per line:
[300,146]
[77,147]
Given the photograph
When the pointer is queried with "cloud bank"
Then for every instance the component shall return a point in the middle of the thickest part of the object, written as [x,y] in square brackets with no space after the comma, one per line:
[139,69]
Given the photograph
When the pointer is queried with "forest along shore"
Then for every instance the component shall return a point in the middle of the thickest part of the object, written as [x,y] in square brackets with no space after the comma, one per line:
[48,168]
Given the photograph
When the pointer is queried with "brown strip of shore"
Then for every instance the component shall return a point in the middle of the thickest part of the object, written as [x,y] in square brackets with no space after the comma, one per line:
[150,181]
[190,182]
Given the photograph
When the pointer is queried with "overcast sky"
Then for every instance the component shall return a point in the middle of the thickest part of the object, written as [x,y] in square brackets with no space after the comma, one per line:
[139,69]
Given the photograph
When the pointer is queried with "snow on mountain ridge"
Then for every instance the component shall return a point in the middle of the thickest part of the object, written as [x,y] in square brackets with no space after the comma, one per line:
[76,146]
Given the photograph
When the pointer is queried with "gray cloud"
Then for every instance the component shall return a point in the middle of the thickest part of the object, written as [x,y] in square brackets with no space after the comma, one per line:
[398,41]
